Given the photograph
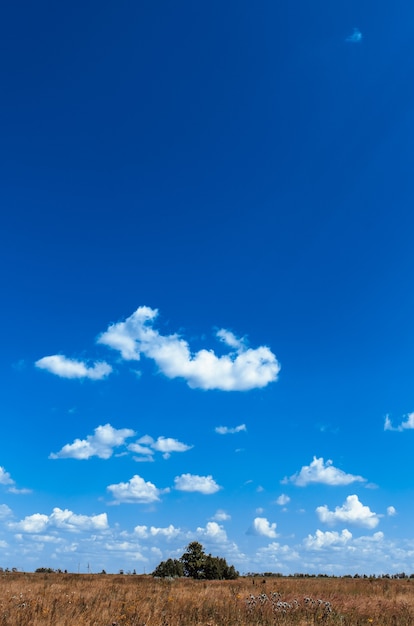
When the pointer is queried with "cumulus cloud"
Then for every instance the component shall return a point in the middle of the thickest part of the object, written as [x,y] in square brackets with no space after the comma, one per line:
[61,519]
[327,539]
[241,369]
[100,444]
[135,490]
[145,447]
[71,368]
[262,526]
[106,438]
[213,531]
[320,472]
[166,445]
[352,512]
[408,424]
[391,511]
[282,500]
[224,430]
[168,532]
[191,482]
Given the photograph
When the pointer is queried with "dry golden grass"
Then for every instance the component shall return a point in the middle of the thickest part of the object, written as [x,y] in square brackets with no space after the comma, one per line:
[105,600]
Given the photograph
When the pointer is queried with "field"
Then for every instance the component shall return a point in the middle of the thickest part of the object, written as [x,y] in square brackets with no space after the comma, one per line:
[127,600]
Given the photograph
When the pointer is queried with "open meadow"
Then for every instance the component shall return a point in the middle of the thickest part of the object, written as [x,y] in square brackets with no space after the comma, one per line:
[126,600]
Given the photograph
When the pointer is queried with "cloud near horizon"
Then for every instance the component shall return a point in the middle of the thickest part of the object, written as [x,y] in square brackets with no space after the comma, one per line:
[71,368]
[319,472]
[241,369]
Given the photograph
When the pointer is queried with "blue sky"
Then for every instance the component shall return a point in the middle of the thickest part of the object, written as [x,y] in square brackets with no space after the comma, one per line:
[207,280]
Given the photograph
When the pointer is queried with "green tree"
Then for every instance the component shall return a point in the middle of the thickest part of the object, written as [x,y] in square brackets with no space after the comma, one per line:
[195,563]
[193,560]
[170,568]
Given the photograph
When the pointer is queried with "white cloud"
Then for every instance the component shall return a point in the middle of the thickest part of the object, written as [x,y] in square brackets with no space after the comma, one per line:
[19,491]
[408,424]
[276,555]
[327,539]
[5,478]
[319,472]
[355,37]
[168,445]
[391,511]
[224,430]
[191,482]
[262,526]
[283,499]
[135,490]
[146,446]
[61,519]
[141,531]
[221,516]
[100,444]
[242,369]
[227,337]
[352,511]
[169,532]
[71,368]
[5,511]
[213,531]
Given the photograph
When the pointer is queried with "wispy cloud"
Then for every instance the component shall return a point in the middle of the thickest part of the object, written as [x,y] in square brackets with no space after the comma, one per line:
[408,424]
[136,490]
[100,444]
[192,482]
[241,369]
[354,37]
[225,430]
[262,526]
[352,512]
[60,519]
[7,480]
[71,368]
[320,472]
[5,511]
[221,516]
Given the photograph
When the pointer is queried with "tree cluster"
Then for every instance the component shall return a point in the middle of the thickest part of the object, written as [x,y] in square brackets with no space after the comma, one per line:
[195,563]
